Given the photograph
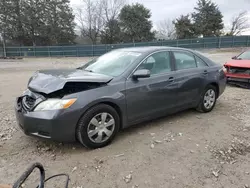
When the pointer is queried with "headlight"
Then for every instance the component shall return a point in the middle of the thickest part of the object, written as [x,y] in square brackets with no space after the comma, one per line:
[224,68]
[55,104]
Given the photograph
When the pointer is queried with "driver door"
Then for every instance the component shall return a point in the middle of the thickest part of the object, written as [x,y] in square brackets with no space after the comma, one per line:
[151,97]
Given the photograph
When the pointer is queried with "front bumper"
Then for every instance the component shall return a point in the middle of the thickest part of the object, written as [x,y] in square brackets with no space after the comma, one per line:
[57,125]
[239,80]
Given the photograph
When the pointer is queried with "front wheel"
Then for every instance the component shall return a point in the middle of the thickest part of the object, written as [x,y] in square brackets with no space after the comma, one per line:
[98,126]
[208,99]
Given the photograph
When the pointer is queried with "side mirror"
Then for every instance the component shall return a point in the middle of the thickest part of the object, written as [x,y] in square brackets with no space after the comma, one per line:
[143,73]
[234,57]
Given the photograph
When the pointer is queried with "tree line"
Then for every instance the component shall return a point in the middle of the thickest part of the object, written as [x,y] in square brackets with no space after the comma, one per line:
[54,22]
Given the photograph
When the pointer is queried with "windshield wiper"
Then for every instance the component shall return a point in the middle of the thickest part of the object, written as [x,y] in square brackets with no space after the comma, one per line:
[88,70]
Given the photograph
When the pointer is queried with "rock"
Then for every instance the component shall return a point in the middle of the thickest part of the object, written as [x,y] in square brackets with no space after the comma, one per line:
[53,157]
[7,119]
[120,155]
[216,173]
[46,149]
[73,148]
[246,186]
[100,161]
[167,139]
[232,162]
[191,151]
[74,169]
[197,145]
[128,178]
[152,146]
[222,152]
[247,173]
[157,141]
[152,134]
[135,186]
[180,134]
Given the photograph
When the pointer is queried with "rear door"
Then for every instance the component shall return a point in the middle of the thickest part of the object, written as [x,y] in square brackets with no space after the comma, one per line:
[191,74]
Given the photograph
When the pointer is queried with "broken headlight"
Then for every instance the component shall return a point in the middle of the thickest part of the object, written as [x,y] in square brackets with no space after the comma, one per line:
[55,104]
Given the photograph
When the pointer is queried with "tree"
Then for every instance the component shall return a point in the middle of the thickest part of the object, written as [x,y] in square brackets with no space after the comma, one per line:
[207,19]
[184,28]
[111,33]
[167,29]
[11,15]
[239,23]
[59,21]
[33,24]
[90,19]
[135,23]
[36,22]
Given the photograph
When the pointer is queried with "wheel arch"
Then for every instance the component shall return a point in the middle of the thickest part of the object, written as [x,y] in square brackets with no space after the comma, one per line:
[118,108]
[216,85]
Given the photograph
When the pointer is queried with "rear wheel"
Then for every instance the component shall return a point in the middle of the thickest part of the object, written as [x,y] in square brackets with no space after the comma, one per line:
[98,126]
[208,99]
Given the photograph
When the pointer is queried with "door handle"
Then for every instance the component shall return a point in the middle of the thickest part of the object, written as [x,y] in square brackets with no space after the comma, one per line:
[171,79]
[205,72]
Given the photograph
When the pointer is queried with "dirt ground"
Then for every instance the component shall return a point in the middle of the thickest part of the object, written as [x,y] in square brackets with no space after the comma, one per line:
[185,150]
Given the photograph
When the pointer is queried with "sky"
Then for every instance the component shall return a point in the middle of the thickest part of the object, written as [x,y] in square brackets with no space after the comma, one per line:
[171,9]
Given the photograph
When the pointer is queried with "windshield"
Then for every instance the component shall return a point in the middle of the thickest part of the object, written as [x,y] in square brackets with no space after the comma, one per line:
[113,63]
[244,55]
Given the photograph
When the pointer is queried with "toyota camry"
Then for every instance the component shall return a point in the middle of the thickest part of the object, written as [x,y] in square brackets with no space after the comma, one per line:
[121,88]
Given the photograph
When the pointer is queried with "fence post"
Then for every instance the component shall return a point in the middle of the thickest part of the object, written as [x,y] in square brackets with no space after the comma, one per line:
[248,40]
[92,50]
[34,52]
[48,51]
[177,43]
[4,48]
[233,42]
[219,42]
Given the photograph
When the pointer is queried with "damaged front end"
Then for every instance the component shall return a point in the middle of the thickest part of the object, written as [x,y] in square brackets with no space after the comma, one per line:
[56,84]
[30,99]
[238,76]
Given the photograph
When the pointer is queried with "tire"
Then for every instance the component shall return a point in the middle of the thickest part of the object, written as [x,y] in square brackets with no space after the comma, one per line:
[93,131]
[205,106]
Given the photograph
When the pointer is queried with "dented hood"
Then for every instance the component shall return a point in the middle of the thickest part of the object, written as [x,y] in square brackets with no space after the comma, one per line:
[239,63]
[48,81]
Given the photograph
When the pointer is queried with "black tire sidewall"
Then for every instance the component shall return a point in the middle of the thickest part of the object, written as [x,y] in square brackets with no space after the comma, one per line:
[203,108]
[82,127]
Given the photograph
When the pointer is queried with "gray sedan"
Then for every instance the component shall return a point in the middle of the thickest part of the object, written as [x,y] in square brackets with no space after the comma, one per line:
[116,90]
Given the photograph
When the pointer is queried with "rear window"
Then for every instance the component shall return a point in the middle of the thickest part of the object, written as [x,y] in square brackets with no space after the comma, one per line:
[184,60]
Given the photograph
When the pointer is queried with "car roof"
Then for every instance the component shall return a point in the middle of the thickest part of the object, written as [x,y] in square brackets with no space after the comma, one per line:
[148,49]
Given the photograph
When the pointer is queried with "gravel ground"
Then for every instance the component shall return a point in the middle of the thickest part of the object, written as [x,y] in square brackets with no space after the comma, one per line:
[188,149]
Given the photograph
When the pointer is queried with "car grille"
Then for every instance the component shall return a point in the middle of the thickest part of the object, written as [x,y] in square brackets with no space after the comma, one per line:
[28,103]
[238,70]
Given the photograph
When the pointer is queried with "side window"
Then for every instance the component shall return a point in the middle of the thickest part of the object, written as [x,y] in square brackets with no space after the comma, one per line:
[157,63]
[184,60]
[200,62]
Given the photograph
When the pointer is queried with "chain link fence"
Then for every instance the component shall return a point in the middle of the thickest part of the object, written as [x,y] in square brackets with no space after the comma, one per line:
[97,50]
